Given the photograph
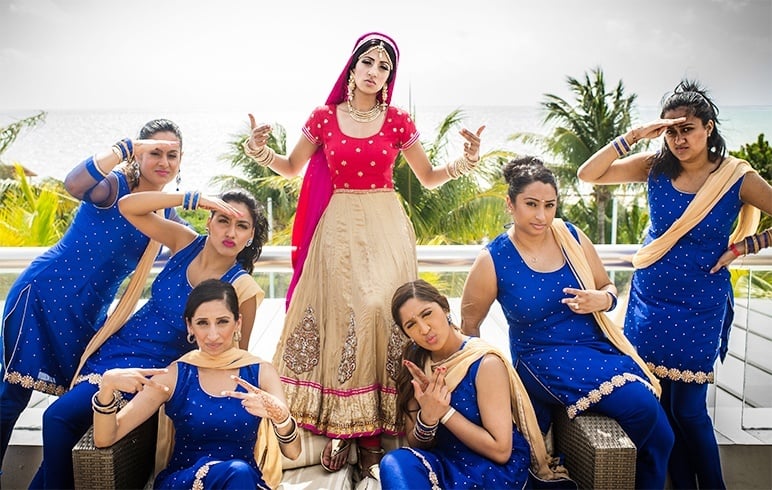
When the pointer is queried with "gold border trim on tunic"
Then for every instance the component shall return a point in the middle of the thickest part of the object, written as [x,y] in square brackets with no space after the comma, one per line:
[605,388]
[685,376]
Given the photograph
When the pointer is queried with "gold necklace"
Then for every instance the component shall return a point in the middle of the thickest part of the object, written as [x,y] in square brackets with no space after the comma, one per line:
[522,252]
[364,116]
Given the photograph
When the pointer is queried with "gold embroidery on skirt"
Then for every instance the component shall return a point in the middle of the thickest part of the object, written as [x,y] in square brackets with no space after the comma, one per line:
[397,341]
[302,350]
[348,358]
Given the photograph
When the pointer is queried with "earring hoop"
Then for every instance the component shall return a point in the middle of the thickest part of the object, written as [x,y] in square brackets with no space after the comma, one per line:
[191,338]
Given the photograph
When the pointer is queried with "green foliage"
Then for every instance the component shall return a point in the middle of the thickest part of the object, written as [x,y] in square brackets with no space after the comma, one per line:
[197,218]
[747,283]
[577,130]
[466,210]
[759,155]
[9,133]
[263,183]
[33,215]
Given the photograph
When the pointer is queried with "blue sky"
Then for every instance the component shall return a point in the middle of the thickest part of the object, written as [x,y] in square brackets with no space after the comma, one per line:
[250,54]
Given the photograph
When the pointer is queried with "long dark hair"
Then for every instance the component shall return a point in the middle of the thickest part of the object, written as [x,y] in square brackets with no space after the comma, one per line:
[690,95]
[423,291]
[211,290]
[251,252]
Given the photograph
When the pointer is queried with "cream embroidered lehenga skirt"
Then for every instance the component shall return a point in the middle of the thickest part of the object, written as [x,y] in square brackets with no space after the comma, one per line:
[340,350]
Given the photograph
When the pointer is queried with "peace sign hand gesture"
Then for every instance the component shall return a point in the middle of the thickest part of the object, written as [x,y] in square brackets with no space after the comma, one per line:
[258,402]
[131,380]
[434,399]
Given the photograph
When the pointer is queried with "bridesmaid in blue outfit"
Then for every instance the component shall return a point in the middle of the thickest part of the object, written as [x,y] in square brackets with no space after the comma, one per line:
[462,433]
[216,395]
[60,300]
[554,292]
[155,335]
[681,302]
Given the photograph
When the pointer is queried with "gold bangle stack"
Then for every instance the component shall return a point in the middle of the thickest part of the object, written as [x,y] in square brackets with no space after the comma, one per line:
[263,156]
[460,166]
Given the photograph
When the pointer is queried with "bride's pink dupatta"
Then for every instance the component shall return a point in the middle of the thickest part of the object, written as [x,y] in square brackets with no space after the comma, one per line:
[316,190]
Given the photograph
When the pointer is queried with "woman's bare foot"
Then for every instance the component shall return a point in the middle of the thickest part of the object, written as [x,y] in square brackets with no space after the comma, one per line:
[335,454]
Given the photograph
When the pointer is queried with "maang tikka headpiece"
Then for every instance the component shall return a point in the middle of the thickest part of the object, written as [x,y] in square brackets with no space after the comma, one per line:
[381,52]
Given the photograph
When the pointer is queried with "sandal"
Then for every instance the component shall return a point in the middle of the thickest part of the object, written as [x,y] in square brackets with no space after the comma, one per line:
[373,470]
[337,447]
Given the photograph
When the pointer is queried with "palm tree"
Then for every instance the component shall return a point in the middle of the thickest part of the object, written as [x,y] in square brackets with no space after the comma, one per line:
[580,129]
[462,211]
[9,133]
[263,183]
[467,210]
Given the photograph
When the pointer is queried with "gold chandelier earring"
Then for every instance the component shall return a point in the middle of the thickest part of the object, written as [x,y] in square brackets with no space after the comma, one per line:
[384,95]
[351,86]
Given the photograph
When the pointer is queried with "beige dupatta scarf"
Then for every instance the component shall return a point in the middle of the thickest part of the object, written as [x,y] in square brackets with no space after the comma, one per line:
[267,451]
[544,466]
[125,305]
[581,268]
[714,188]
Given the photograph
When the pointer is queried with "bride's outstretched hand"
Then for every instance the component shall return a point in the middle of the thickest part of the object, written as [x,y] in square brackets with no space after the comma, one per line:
[472,145]
[258,134]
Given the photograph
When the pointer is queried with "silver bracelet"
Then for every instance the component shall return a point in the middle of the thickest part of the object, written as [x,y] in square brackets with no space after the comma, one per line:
[451,411]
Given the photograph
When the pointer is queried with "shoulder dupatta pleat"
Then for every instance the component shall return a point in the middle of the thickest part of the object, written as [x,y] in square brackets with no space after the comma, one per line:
[267,452]
[577,261]
[714,188]
[542,464]
[125,305]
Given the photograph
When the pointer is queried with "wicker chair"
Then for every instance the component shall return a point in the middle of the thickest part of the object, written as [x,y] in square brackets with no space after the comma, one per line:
[598,453]
[126,464]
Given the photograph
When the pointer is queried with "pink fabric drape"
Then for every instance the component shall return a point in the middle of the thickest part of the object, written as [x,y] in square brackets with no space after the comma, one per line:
[316,190]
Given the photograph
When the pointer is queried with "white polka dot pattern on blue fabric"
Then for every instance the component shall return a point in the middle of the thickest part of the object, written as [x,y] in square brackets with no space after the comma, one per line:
[565,351]
[208,429]
[60,300]
[678,311]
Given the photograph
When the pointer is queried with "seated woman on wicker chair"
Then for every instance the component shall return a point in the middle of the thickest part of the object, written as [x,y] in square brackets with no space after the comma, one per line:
[155,335]
[216,396]
[554,292]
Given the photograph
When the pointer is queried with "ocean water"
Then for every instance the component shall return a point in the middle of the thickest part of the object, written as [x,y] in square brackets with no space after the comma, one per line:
[66,138]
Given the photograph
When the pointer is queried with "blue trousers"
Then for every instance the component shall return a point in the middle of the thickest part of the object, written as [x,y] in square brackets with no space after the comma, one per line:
[13,400]
[636,410]
[231,474]
[694,462]
[402,469]
[64,423]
